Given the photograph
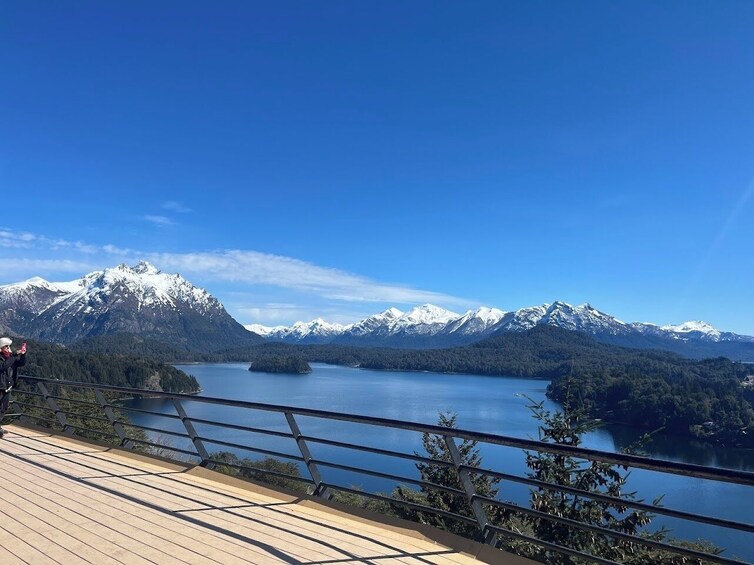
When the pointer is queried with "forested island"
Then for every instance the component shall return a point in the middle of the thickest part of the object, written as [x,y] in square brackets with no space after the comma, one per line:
[289,364]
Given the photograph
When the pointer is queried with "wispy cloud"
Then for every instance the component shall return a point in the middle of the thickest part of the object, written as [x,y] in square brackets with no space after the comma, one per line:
[159,220]
[18,269]
[253,267]
[11,239]
[25,240]
[244,267]
[275,314]
[174,206]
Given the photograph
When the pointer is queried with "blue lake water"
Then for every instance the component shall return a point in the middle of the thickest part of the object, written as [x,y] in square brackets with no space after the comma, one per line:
[482,403]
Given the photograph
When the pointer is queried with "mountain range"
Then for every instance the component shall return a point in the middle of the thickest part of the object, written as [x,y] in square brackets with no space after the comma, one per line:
[143,301]
[429,326]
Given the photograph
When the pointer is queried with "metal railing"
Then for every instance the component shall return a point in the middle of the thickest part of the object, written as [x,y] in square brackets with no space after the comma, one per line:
[104,413]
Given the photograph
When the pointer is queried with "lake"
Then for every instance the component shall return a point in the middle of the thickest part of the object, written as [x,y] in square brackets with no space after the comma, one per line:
[482,403]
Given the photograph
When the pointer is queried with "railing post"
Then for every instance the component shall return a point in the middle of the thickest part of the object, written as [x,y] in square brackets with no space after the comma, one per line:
[59,414]
[319,487]
[125,441]
[465,478]
[198,445]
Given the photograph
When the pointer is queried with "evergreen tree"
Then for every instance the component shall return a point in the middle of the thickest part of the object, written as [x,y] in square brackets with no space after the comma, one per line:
[447,476]
[591,477]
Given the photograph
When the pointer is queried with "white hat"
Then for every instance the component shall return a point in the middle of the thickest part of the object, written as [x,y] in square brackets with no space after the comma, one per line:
[5,341]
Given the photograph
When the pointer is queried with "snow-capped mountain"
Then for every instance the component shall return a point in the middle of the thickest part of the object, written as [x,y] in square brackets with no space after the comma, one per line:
[139,300]
[372,323]
[431,326]
[316,331]
[695,329]
[474,322]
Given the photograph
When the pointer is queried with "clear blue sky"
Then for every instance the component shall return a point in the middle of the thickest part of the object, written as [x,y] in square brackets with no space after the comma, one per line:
[335,158]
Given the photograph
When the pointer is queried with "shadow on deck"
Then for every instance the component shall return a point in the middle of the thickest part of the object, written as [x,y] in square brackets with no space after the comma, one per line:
[68,501]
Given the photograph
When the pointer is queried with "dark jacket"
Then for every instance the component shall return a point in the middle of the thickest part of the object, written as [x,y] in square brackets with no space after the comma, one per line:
[9,370]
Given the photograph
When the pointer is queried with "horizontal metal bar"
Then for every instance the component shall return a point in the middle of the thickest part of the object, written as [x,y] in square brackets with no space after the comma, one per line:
[30,404]
[157,430]
[87,417]
[412,505]
[147,412]
[69,400]
[241,428]
[82,415]
[263,471]
[396,478]
[254,449]
[551,546]
[166,447]
[91,431]
[27,392]
[75,401]
[378,451]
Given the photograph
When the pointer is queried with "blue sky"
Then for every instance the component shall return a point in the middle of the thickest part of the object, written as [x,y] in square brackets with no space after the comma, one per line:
[332,159]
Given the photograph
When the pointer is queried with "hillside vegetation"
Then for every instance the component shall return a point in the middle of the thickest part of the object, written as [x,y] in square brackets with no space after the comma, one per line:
[53,361]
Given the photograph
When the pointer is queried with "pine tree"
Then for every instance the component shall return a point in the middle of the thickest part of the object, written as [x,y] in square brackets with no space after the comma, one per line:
[447,476]
[592,477]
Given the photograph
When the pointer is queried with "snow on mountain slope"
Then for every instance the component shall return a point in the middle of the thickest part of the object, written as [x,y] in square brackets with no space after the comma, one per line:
[264,331]
[697,327]
[474,321]
[139,299]
[33,295]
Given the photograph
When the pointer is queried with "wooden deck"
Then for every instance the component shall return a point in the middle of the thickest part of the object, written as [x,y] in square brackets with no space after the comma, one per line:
[66,501]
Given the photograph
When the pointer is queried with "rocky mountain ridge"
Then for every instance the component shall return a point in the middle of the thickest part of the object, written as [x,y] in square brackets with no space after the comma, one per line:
[139,300]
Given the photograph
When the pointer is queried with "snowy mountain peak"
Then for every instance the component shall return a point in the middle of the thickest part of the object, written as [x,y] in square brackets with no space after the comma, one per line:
[316,331]
[692,326]
[428,314]
[34,282]
[475,321]
[138,299]
[145,268]
[264,331]
[390,314]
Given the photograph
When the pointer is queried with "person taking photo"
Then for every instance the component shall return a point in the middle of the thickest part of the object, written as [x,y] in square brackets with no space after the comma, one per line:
[9,364]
